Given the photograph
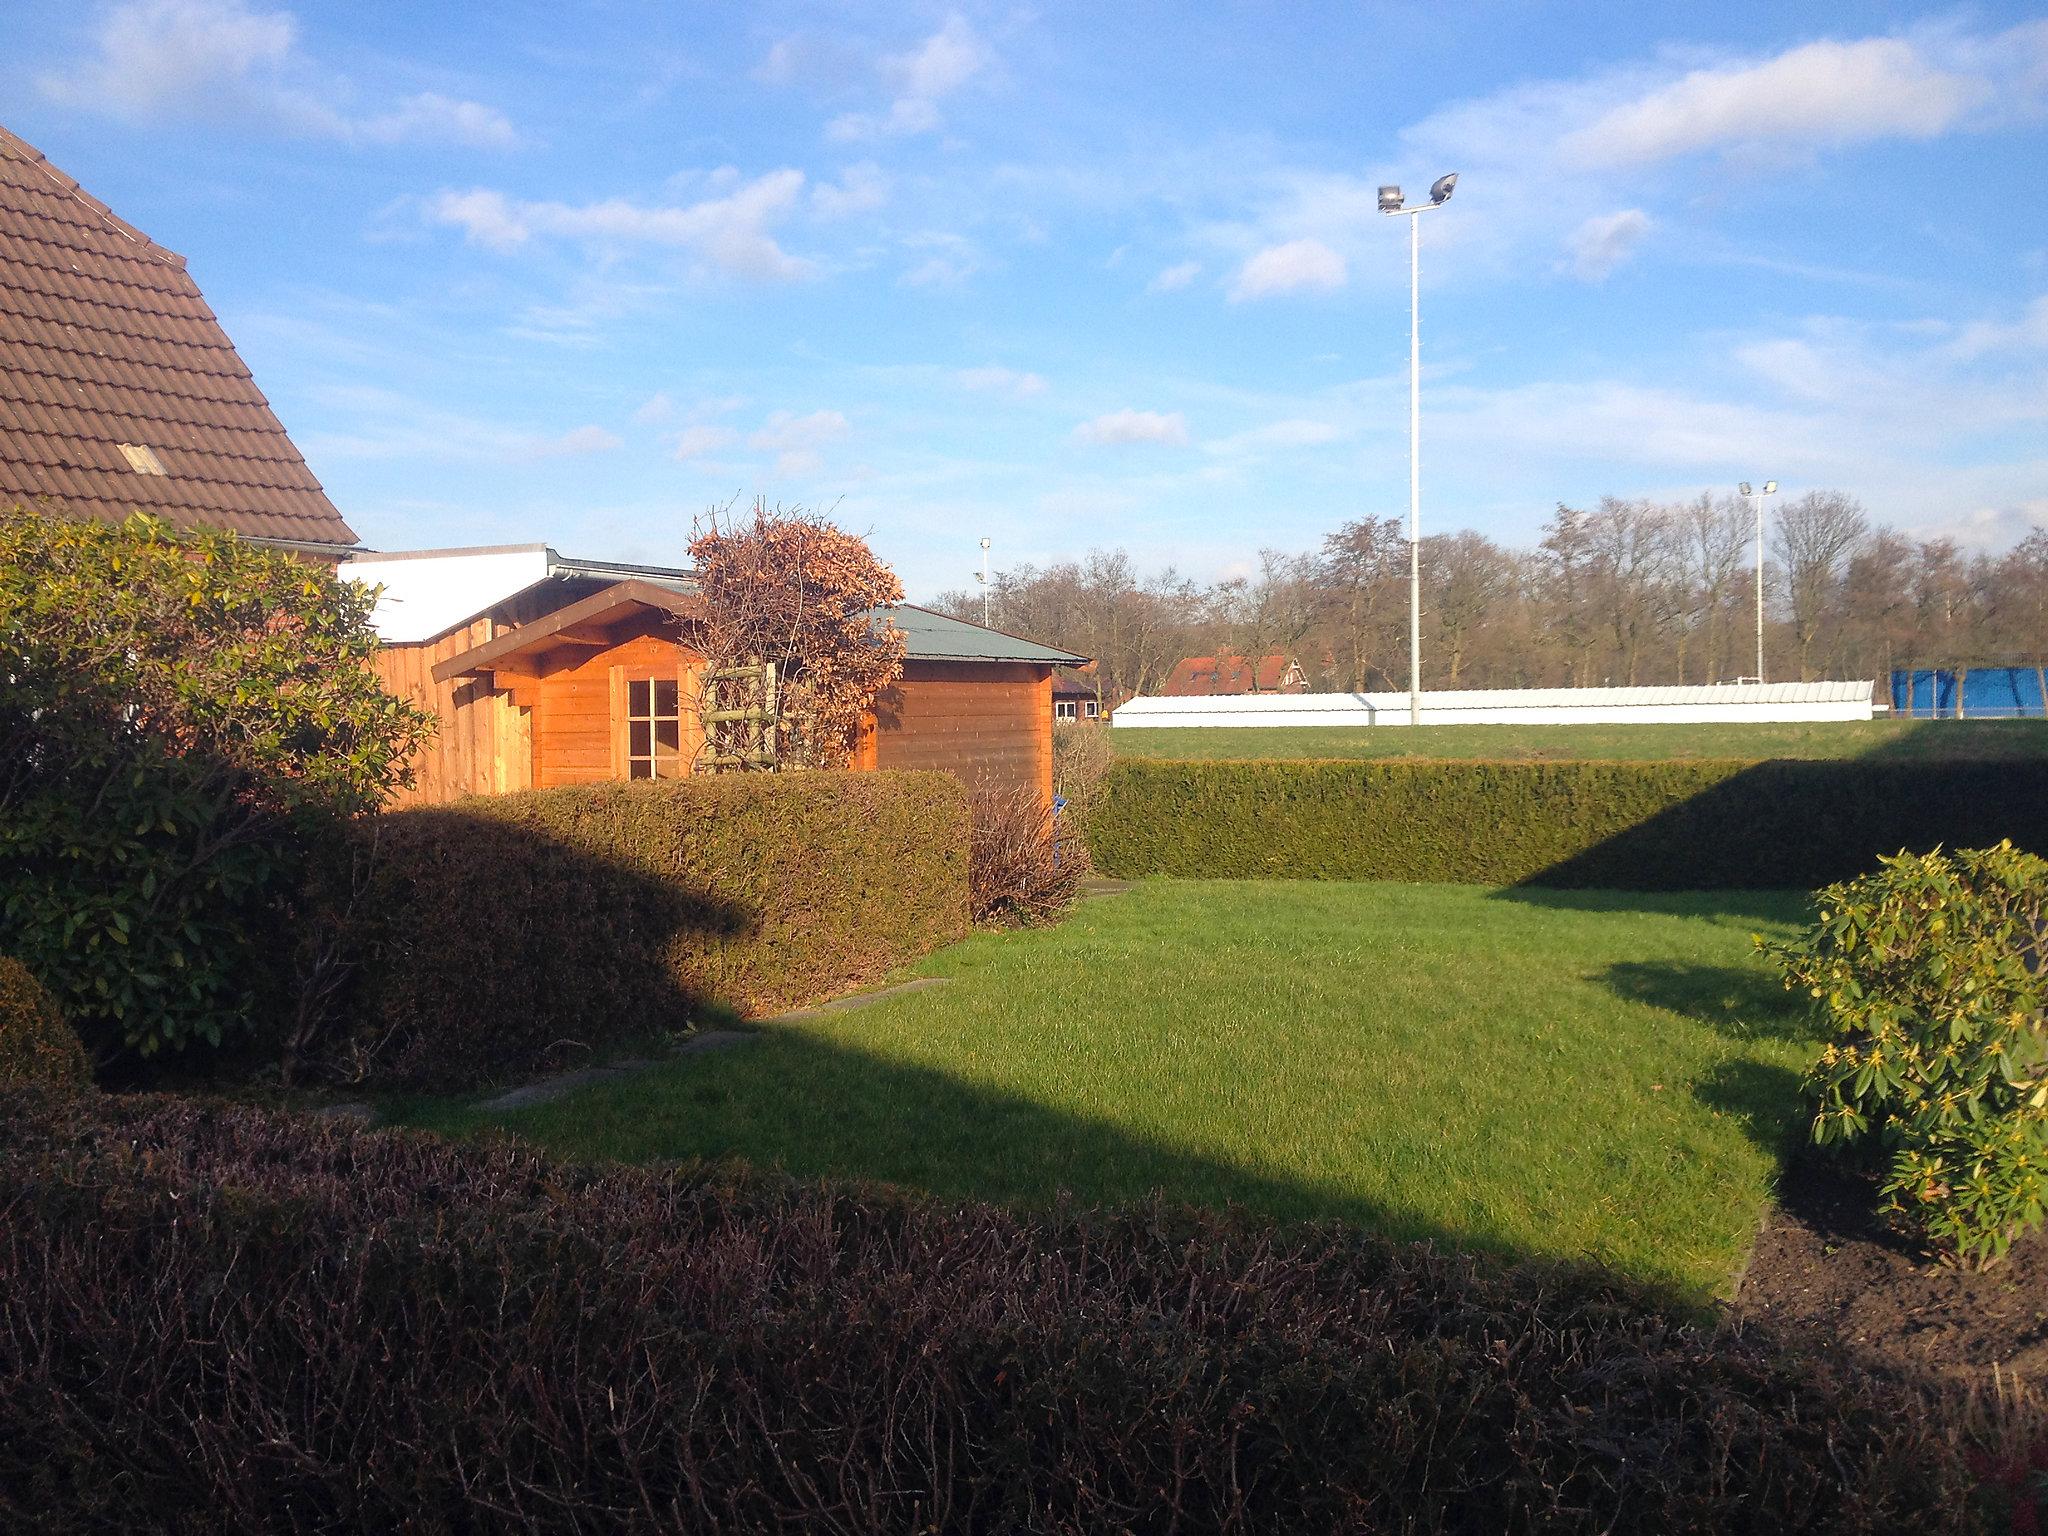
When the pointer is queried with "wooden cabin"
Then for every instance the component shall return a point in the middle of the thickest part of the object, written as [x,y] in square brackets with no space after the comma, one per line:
[546,671]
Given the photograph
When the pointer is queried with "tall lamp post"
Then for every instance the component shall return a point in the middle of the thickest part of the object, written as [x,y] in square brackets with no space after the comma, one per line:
[1757,500]
[982,577]
[1390,202]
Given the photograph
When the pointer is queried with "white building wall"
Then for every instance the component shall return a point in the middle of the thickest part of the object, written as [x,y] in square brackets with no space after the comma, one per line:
[1728,702]
[428,592]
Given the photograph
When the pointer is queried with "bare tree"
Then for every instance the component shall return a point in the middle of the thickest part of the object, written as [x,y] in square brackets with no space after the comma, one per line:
[1466,577]
[1711,544]
[1813,540]
[1359,572]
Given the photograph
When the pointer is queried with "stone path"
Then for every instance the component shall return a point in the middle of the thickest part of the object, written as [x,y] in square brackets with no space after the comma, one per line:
[548,1089]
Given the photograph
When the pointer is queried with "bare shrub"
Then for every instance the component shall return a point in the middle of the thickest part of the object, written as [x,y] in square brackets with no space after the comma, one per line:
[1018,871]
[1081,756]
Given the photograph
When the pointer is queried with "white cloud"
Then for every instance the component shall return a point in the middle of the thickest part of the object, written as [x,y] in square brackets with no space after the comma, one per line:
[158,61]
[1118,428]
[1822,94]
[437,119]
[2029,331]
[861,188]
[705,437]
[730,234]
[1176,276]
[796,440]
[1299,266]
[578,440]
[1294,432]
[922,78]
[1001,381]
[952,261]
[1604,242]
[654,410]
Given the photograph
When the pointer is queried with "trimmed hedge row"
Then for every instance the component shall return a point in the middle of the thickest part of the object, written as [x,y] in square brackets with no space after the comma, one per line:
[36,1045]
[1626,826]
[506,932]
[216,1318]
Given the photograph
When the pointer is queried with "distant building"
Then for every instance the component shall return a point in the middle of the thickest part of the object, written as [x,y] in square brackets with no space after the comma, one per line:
[1074,696]
[1215,677]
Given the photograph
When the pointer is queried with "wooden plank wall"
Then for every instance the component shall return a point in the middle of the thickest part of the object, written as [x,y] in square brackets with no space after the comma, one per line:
[580,730]
[484,744]
[462,757]
[988,722]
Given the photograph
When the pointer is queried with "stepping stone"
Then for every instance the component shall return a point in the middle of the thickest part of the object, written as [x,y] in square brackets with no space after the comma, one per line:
[859,1000]
[713,1040]
[548,1089]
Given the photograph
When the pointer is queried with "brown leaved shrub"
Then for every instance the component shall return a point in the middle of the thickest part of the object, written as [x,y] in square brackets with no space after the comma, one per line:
[1021,870]
[215,1318]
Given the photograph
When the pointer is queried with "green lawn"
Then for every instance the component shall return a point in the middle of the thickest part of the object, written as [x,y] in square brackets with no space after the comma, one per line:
[1553,1073]
[1980,739]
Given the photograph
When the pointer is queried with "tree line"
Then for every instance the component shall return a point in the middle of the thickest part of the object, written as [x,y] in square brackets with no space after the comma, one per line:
[1627,592]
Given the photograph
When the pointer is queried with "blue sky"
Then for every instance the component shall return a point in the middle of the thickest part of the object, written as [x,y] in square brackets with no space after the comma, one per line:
[1084,275]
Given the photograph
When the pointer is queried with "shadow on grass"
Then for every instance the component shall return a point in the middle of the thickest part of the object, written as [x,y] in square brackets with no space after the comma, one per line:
[812,1109]
[1740,1002]
[1748,907]
[1754,1094]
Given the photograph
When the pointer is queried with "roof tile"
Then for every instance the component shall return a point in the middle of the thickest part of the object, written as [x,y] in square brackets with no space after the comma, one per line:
[105,339]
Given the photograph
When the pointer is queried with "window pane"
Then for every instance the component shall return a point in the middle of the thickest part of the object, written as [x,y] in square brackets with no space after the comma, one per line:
[636,698]
[636,741]
[639,768]
[668,736]
[664,695]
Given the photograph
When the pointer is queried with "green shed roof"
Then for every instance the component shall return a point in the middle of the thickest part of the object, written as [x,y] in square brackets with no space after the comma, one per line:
[929,636]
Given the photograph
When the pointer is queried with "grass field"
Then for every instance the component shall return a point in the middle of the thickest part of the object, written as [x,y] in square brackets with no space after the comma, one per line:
[1977,739]
[1560,1074]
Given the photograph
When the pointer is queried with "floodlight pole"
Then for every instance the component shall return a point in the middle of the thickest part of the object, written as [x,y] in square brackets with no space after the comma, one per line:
[984,583]
[1757,499]
[1391,203]
[1415,470]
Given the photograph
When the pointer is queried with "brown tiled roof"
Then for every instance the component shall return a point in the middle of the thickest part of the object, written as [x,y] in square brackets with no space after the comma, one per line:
[105,340]
[1213,676]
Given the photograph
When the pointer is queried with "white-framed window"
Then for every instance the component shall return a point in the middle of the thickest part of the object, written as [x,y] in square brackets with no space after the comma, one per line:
[654,729]
[1063,709]
[1091,709]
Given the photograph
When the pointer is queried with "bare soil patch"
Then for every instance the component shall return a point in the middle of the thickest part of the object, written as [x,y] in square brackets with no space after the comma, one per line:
[1826,1264]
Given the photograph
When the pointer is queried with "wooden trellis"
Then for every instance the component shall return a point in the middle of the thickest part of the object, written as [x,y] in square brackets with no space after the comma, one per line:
[739,713]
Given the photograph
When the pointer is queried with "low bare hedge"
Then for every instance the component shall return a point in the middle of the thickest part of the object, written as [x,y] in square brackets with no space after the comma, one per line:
[221,1319]
[1690,825]
[509,933]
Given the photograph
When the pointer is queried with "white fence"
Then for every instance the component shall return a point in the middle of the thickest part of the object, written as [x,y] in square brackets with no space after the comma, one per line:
[1731,702]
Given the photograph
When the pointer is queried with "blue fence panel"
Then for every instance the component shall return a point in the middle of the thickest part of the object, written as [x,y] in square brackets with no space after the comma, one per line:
[1987,693]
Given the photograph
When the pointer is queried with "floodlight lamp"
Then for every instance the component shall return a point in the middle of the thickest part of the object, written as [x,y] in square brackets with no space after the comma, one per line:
[1390,199]
[1440,190]
[1744,488]
[1770,487]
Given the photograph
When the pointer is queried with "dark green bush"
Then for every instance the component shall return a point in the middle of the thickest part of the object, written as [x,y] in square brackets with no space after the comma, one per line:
[218,1319]
[1625,826]
[1932,976]
[36,1045]
[506,932]
[188,724]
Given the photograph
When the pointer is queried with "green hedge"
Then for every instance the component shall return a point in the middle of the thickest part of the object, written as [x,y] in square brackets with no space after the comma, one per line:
[1626,826]
[508,933]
